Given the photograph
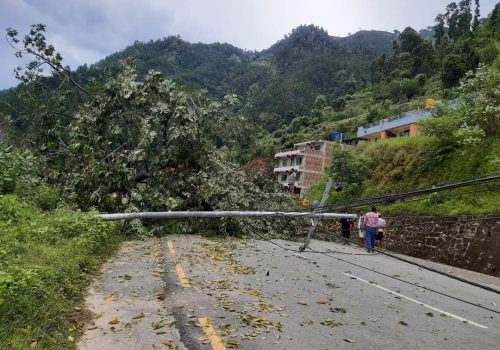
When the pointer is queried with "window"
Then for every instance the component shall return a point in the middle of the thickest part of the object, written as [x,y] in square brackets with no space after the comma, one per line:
[283,177]
[284,162]
[298,161]
[317,147]
[298,176]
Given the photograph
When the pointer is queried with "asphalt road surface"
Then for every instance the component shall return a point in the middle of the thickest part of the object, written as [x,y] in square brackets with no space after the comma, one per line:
[188,292]
[250,294]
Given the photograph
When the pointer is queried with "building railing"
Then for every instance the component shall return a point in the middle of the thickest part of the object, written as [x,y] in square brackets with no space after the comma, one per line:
[287,153]
[298,184]
[287,168]
[394,122]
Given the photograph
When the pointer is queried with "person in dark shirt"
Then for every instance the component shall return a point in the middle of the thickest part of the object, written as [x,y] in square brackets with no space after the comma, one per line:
[345,226]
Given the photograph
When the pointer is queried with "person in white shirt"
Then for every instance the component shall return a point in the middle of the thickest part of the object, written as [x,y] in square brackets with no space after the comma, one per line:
[360,227]
[380,232]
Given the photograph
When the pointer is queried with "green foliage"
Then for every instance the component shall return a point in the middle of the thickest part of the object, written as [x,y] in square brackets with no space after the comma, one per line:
[452,70]
[450,204]
[483,93]
[282,80]
[405,164]
[16,168]
[349,170]
[35,46]
[45,260]
[150,146]
[45,197]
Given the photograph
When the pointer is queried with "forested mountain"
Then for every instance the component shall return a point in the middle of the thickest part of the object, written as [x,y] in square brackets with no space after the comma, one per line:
[283,79]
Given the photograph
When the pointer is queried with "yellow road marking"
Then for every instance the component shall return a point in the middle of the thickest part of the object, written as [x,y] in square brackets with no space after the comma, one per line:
[208,329]
[182,277]
[171,247]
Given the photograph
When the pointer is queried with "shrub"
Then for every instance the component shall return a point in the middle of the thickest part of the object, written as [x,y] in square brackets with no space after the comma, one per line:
[45,260]
[15,165]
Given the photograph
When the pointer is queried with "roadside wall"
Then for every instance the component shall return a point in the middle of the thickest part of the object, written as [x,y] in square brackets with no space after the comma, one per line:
[460,241]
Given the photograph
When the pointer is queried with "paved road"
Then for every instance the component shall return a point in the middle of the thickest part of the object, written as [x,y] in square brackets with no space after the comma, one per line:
[253,295]
[126,302]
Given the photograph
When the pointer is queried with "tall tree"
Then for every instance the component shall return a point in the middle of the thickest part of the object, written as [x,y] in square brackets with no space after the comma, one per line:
[439,29]
[475,21]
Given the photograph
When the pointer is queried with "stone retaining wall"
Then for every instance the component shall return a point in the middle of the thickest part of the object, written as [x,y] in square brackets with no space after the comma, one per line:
[461,241]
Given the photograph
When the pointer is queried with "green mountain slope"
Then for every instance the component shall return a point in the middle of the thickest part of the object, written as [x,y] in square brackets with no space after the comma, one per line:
[283,79]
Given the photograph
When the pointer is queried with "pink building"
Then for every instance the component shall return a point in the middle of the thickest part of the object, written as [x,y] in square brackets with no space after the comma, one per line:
[308,159]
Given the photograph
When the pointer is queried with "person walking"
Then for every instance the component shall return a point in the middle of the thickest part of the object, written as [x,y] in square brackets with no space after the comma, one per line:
[371,225]
[361,230]
[291,181]
[380,232]
[345,226]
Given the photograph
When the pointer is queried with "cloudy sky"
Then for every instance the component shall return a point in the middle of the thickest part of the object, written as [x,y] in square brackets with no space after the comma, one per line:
[85,31]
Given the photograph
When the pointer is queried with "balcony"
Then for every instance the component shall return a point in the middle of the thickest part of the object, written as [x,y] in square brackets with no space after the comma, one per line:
[393,122]
[288,168]
[287,153]
[298,184]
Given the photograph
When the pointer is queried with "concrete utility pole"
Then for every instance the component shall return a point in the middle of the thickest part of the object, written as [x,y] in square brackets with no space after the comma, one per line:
[222,214]
[315,220]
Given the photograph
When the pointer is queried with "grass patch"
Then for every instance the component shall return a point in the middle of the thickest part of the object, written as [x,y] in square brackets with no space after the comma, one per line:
[407,164]
[46,260]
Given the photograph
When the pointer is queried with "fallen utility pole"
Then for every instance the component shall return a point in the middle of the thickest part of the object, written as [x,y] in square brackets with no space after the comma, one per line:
[315,221]
[222,214]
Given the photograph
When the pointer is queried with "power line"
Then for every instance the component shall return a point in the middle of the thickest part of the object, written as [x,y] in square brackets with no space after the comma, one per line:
[386,275]
[389,276]
[413,284]
[403,195]
[299,251]
[493,290]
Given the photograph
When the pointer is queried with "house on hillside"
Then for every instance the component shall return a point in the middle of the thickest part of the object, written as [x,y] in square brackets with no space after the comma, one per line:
[308,159]
[401,125]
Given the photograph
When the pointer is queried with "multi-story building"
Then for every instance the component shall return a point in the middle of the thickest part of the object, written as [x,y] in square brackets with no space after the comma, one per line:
[401,125]
[307,159]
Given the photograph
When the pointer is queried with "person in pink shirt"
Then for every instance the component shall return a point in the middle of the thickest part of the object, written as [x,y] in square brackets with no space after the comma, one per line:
[371,226]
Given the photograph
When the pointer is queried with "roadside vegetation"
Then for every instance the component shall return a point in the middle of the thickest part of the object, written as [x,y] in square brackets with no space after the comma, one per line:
[458,143]
[48,253]
[121,136]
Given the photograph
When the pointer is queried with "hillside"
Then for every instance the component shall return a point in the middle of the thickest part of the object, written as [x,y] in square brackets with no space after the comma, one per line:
[283,79]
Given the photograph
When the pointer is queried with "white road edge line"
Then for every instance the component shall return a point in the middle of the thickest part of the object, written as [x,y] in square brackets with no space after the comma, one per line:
[418,302]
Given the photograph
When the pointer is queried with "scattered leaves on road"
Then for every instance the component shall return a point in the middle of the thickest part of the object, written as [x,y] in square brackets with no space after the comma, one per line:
[232,343]
[114,321]
[254,293]
[159,294]
[338,309]
[111,297]
[331,323]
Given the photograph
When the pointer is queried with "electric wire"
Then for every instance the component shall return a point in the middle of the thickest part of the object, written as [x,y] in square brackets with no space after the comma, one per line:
[404,195]
[385,275]
[490,289]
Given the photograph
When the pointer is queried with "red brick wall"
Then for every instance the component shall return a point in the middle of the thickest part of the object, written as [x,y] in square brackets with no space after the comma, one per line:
[312,151]
[328,153]
[310,179]
[313,163]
